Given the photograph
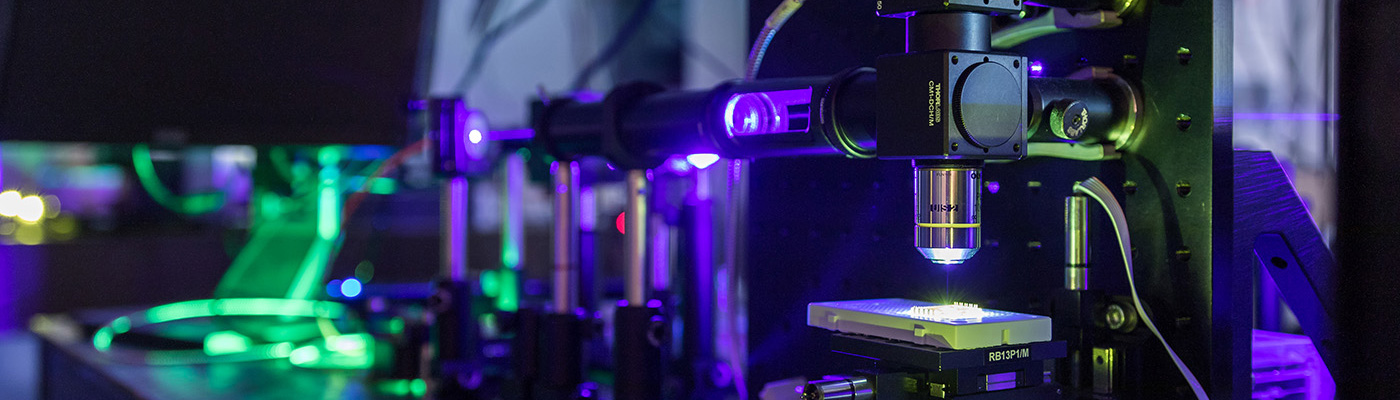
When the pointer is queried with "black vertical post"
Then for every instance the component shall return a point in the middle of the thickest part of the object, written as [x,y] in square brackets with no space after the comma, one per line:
[1368,203]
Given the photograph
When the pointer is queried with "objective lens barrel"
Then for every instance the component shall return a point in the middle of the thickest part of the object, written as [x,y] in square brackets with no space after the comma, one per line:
[948,223]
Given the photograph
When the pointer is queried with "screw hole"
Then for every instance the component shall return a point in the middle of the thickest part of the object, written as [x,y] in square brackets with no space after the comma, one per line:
[1099,360]
[986,59]
[1016,64]
[1183,188]
[1278,263]
[955,60]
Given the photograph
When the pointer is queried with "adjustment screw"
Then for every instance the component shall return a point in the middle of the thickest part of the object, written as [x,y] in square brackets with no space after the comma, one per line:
[1114,316]
[1183,254]
[1068,119]
[1130,61]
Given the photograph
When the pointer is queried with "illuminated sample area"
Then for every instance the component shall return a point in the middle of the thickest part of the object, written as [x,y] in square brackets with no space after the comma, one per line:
[952,312]
[950,326]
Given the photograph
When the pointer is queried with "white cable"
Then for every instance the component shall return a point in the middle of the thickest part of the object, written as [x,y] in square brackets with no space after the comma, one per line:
[1026,31]
[765,36]
[1095,189]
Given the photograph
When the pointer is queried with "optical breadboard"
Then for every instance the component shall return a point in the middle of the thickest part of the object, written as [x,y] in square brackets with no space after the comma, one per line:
[951,326]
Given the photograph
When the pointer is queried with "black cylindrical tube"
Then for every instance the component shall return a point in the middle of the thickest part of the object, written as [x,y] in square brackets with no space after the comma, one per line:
[653,126]
[668,123]
[638,354]
[1104,107]
[842,118]
[950,30]
[562,350]
[1368,138]
[848,112]
[453,335]
[526,346]
[454,323]
[571,129]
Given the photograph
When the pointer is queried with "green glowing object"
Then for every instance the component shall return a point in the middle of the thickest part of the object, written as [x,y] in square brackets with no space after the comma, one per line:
[289,250]
[510,254]
[503,285]
[364,271]
[383,186]
[305,356]
[354,351]
[418,388]
[490,284]
[226,342]
[195,204]
[121,325]
[509,298]
[269,206]
[329,155]
[345,351]
[403,387]
[102,340]
[328,220]
[396,326]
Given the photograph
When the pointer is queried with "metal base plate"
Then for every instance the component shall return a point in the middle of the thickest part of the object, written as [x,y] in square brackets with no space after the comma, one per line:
[899,319]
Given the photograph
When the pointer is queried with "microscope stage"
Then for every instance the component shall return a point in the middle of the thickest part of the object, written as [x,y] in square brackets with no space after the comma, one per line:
[950,326]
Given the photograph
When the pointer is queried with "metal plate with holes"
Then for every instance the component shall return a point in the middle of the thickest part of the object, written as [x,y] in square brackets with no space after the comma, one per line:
[894,319]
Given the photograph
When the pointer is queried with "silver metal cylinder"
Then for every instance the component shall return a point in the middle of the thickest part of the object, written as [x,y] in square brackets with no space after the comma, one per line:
[453,213]
[947,206]
[566,218]
[513,212]
[638,187]
[1077,243]
[840,388]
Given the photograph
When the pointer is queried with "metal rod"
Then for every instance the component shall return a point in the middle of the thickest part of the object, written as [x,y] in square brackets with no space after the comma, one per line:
[454,210]
[636,244]
[1076,243]
[566,218]
[512,212]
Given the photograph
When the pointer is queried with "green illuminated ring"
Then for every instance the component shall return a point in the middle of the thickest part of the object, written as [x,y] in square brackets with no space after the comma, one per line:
[195,204]
[250,307]
[949,225]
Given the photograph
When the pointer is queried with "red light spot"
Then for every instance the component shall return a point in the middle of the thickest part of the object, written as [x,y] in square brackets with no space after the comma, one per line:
[622,223]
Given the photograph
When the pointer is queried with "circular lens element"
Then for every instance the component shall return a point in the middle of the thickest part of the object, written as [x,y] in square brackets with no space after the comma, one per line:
[988,104]
[750,114]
